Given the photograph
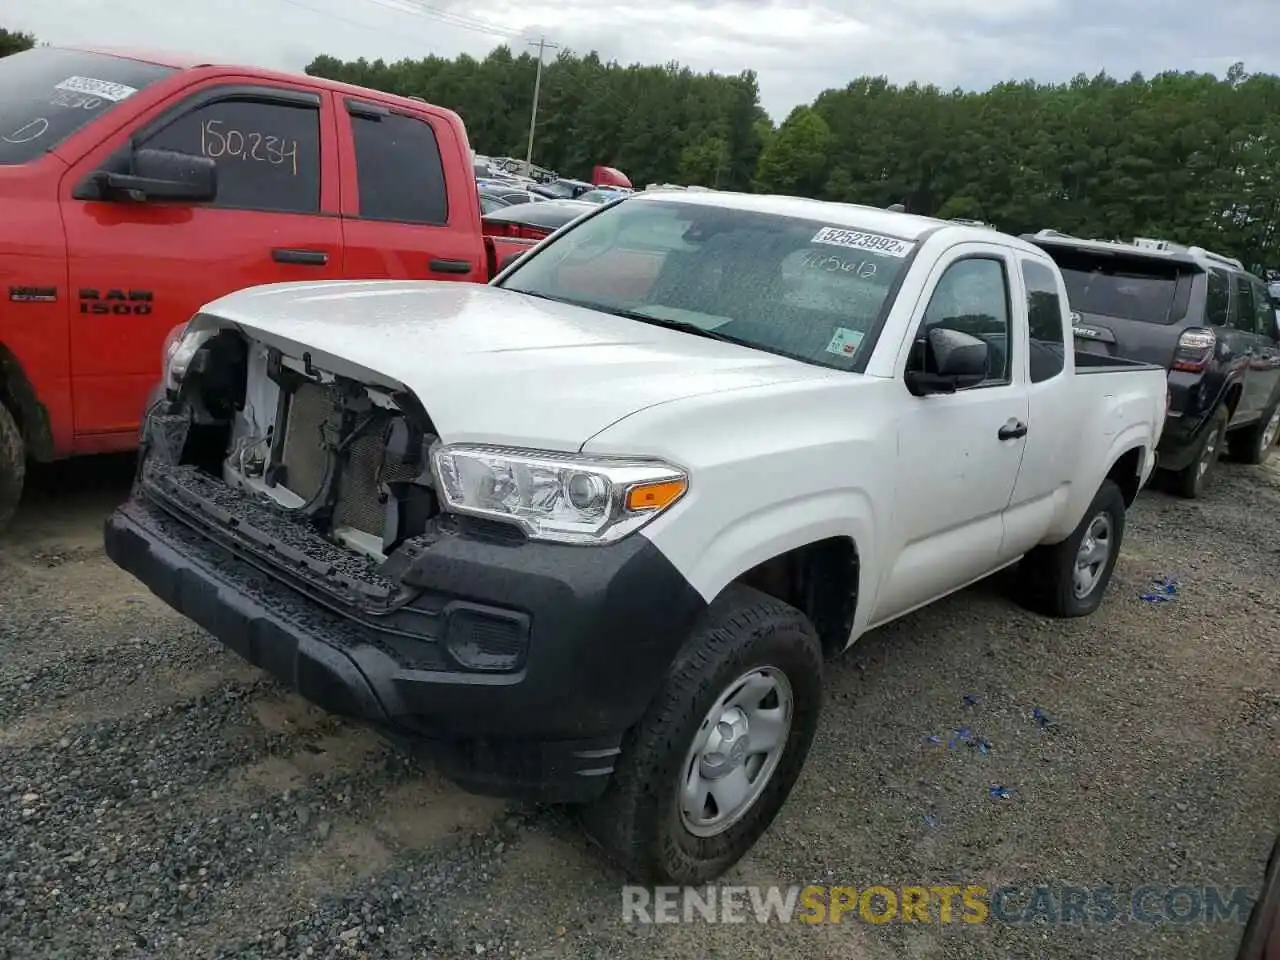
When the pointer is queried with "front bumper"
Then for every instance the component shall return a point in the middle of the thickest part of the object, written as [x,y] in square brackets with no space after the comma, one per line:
[603,624]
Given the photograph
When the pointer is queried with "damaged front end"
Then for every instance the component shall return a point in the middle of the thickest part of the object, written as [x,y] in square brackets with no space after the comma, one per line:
[321,481]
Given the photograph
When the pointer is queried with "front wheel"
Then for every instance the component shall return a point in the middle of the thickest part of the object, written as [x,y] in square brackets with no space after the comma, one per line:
[713,760]
[1068,579]
[13,465]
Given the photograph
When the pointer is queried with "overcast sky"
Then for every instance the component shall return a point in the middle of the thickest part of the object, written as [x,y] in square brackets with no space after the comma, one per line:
[797,48]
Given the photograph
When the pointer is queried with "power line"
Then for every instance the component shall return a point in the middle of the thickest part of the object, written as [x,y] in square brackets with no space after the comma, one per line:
[466,22]
[414,9]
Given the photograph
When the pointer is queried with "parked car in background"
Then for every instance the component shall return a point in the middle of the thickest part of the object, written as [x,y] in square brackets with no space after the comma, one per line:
[1200,315]
[494,197]
[601,196]
[562,189]
[586,533]
[533,221]
[135,188]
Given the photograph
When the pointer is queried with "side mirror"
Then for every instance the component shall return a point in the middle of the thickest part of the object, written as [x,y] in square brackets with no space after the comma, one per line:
[164,175]
[950,361]
[509,259]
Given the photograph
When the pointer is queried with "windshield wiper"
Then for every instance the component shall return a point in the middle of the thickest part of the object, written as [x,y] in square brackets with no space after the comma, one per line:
[684,326]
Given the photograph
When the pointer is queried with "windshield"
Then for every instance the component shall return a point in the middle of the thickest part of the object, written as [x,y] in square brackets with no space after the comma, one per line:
[47,94]
[799,288]
[1127,288]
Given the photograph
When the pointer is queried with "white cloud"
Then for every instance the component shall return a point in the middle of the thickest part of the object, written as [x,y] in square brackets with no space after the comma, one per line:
[797,48]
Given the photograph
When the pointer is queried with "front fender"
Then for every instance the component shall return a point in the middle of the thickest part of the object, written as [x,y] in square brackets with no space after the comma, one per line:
[712,553]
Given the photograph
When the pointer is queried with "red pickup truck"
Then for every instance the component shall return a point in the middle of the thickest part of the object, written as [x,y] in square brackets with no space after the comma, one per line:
[136,188]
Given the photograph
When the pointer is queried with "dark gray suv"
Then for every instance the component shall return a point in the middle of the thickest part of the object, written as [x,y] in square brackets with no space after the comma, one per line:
[1201,316]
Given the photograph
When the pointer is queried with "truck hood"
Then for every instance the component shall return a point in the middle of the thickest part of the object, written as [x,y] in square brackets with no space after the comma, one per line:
[495,366]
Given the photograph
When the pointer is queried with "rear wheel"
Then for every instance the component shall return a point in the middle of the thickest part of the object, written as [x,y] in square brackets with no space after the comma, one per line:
[13,466]
[1068,579]
[712,762]
[1256,443]
[1193,479]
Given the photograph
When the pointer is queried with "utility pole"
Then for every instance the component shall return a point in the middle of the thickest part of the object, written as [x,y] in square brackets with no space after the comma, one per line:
[541,44]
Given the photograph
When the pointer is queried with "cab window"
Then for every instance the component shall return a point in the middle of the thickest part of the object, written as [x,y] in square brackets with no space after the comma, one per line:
[267,152]
[972,297]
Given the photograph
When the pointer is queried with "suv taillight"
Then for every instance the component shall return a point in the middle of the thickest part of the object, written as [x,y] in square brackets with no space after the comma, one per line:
[1194,350]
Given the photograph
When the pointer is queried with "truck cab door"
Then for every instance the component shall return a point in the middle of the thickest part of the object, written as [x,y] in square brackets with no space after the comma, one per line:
[959,453]
[410,207]
[139,268]
[1049,451]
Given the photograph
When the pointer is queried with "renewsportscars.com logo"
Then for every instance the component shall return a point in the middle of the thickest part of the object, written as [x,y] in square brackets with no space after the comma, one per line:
[938,903]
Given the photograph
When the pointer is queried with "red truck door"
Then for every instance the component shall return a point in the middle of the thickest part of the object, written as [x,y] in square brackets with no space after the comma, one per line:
[137,269]
[402,217]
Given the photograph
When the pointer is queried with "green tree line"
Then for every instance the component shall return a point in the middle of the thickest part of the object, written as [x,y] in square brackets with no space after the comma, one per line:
[1181,155]
[1184,156]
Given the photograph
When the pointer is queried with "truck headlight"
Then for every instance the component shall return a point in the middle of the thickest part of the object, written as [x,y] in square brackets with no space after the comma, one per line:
[559,497]
[180,347]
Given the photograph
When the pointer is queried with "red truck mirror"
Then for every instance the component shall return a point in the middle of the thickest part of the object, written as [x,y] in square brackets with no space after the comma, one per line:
[164,175]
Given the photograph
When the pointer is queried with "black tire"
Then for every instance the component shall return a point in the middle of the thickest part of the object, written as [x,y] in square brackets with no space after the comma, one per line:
[13,466]
[1191,481]
[638,821]
[1262,931]
[1255,444]
[1046,575]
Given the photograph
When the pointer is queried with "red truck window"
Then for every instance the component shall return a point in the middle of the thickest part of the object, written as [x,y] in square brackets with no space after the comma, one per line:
[47,94]
[268,153]
[398,170]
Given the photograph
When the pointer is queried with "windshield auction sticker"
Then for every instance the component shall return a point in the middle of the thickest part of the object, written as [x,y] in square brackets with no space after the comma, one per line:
[857,240]
[97,88]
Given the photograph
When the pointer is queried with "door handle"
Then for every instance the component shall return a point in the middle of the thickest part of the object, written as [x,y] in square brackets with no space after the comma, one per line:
[1012,430]
[309,258]
[449,266]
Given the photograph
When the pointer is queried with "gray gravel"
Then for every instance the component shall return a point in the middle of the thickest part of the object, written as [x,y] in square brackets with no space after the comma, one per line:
[159,798]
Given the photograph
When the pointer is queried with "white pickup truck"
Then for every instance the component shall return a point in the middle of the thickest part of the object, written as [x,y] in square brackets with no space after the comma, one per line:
[586,534]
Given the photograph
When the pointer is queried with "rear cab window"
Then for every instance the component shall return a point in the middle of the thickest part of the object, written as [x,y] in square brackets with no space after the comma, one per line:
[1045,322]
[785,285]
[47,94]
[399,173]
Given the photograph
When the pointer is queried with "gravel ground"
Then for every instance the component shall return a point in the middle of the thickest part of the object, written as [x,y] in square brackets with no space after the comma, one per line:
[159,798]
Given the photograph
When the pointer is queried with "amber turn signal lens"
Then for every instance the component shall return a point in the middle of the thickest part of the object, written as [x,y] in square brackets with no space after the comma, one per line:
[656,495]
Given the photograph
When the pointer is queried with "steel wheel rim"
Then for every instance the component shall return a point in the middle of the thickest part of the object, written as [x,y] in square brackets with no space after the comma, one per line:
[1206,457]
[1270,430]
[1092,557]
[735,752]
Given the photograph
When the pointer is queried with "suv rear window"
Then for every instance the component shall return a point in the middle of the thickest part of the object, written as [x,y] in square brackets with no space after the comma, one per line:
[1128,288]
[47,94]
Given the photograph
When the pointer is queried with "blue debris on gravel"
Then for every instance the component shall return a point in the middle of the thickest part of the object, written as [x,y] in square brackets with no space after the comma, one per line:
[1161,590]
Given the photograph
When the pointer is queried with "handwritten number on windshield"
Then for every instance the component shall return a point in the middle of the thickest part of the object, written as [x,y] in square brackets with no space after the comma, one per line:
[217,140]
